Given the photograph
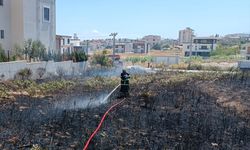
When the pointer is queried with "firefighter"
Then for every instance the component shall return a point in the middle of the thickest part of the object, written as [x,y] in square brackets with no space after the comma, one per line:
[124,81]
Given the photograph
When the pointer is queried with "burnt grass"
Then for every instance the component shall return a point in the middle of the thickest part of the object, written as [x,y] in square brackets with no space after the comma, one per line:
[182,116]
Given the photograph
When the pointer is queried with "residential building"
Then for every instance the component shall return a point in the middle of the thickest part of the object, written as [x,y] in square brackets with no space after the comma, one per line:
[21,20]
[75,41]
[186,35]
[124,47]
[141,46]
[245,51]
[63,44]
[67,44]
[152,39]
[201,46]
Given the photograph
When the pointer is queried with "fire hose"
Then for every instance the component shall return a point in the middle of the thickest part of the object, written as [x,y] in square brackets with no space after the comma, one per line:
[103,118]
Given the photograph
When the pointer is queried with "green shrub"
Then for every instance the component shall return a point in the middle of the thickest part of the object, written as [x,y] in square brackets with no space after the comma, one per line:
[24,74]
[193,59]
[102,59]
[195,67]
[79,56]
[3,57]
[225,51]
[212,68]
[40,72]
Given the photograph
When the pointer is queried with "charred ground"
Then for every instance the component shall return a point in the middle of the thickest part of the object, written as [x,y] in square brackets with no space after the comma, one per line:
[164,111]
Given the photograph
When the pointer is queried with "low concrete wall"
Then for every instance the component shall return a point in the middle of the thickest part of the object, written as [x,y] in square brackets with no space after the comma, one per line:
[8,70]
[244,64]
[168,60]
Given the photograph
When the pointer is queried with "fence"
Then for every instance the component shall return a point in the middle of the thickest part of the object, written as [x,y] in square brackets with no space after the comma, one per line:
[8,70]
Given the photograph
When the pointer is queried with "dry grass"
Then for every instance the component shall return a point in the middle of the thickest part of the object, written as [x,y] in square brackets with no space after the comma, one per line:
[153,53]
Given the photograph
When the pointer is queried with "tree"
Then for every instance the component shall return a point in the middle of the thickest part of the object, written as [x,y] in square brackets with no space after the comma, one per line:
[38,49]
[166,46]
[79,56]
[34,49]
[3,57]
[27,48]
[18,52]
[225,51]
[157,46]
[102,59]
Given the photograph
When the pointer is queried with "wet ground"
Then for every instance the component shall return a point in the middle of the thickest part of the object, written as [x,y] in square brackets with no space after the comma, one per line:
[25,115]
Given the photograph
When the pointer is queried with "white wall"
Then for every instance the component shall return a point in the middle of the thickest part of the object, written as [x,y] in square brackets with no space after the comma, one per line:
[169,60]
[10,69]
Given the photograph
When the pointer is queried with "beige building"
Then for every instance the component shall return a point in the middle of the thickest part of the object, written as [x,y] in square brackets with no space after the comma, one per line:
[27,19]
[140,46]
[152,39]
[124,47]
[185,36]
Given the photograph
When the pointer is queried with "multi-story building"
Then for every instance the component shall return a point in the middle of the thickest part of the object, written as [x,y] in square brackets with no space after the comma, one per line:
[21,20]
[201,46]
[140,47]
[67,44]
[152,39]
[63,44]
[123,47]
[186,35]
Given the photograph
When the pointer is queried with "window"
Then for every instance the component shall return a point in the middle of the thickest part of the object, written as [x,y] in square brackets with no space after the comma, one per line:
[1,2]
[46,14]
[2,34]
[68,41]
[204,48]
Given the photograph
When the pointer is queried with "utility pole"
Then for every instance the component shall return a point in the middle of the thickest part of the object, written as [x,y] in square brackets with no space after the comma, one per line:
[8,55]
[113,35]
[87,50]
[191,45]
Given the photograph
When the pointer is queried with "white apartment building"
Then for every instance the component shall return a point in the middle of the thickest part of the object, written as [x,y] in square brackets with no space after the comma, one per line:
[21,20]
[201,46]
[152,39]
[185,36]
[66,44]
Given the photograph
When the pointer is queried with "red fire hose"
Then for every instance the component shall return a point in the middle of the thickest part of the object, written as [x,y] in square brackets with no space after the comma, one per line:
[100,124]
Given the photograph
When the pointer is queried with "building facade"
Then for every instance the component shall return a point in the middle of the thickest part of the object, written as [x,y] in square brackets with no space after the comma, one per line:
[185,36]
[201,46]
[21,20]
[141,47]
[123,47]
[245,51]
[63,44]
[152,39]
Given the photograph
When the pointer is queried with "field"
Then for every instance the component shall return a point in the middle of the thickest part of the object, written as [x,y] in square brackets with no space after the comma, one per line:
[153,53]
[167,110]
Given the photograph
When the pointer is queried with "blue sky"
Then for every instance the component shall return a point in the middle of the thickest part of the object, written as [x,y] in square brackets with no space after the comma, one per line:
[136,18]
